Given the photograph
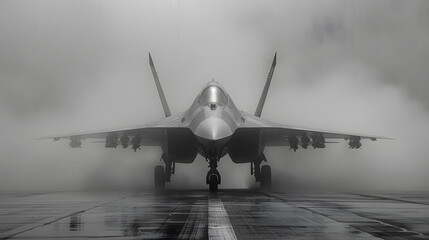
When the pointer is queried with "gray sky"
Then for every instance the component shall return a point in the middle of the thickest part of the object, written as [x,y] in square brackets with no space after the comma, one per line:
[72,66]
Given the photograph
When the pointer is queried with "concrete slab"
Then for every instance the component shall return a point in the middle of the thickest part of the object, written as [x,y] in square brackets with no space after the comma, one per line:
[240,214]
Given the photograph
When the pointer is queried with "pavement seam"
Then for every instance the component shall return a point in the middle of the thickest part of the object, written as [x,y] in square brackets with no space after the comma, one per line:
[50,220]
[164,224]
[388,198]
[325,215]
[194,223]
[313,211]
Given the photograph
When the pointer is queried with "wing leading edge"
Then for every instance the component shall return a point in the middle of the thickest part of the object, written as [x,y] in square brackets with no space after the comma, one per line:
[274,134]
[146,135]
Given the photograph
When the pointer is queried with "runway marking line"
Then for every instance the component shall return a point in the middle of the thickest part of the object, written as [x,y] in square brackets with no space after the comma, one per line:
[219,225]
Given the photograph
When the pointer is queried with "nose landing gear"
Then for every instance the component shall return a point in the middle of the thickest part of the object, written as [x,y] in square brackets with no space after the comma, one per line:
[213,183]
[213,176]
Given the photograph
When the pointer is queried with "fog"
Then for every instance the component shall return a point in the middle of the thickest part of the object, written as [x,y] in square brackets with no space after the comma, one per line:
[343,65]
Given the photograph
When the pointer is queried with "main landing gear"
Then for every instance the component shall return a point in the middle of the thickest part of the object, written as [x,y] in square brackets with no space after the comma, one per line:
[213,179]
[162,176]
[262,174]
[265,180]
[159,178]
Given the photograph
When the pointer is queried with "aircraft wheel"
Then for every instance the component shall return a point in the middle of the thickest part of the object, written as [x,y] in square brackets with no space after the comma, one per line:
[213,183]
[159,178]
[266,178]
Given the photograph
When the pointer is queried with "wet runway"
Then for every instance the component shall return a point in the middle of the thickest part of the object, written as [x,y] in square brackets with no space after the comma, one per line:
[230,214]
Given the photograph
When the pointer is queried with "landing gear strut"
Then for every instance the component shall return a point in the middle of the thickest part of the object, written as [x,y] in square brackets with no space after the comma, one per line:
[257,167]
[213,176]
[169,167]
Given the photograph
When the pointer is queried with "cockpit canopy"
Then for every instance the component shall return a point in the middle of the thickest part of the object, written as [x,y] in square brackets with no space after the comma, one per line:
[213,96]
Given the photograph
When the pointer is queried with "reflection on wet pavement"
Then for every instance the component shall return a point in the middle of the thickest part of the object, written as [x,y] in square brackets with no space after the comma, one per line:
[240,214]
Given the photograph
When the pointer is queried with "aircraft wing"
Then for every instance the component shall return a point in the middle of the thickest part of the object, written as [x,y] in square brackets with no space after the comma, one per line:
[148,135]
[275,134]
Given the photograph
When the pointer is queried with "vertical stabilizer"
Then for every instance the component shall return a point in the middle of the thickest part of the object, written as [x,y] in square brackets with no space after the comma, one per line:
[160,91]
[267,86]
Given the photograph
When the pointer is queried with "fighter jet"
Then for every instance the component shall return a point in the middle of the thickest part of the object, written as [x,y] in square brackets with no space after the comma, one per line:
[214,127]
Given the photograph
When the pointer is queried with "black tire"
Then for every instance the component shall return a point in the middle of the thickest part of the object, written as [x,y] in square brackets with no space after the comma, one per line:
[266,178]
[159,178]
[213,183]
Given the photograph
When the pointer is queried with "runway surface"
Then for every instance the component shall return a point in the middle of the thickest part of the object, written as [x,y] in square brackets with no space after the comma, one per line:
[230,214]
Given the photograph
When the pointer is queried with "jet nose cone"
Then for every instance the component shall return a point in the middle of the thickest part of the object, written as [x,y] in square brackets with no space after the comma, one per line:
[213,129]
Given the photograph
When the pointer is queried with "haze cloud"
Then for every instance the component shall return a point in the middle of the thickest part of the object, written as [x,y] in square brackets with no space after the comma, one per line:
[354,66]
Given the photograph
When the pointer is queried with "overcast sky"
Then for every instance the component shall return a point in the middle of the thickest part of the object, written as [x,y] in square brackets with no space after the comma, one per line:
[346,65]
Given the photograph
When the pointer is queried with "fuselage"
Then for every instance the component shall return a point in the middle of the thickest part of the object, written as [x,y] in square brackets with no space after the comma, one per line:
[212,117]
[210,127]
